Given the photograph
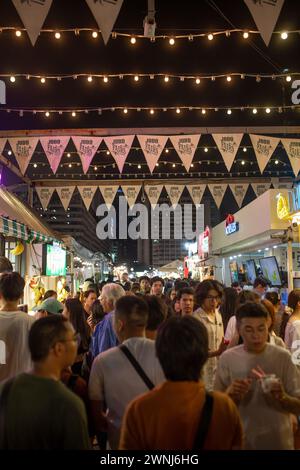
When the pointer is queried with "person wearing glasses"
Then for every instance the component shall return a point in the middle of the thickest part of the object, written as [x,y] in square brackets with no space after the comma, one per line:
[208,296]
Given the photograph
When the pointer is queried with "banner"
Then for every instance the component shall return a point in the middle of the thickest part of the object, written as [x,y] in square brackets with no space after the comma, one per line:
[265,14]
[260,188]
[131,193]
[33,14]
[152,146]
[174,191]
[105,13]
[109,193]
[239,192]
[196,191]
[2,144]
[87,194]
[119,146]
[65,194]
[263,147]
[86,148]
[54,148]
[292,148]
[228,146]
[217,192]
[153,192]
[185,146]
[44,195]
[23,148]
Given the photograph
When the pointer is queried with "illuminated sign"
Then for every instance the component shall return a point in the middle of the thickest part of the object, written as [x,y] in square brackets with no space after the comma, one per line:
[232,228]
[282,206]
[55,261]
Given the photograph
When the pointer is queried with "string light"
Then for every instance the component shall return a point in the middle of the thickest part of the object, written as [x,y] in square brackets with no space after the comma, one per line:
[243,162]
[166,78]
[136,78]
[90,78]
[254,111]
[94,34]
[284,35]
[173,165]
[228,78]
[178,110]
[151,111]
[268,110]
[57,35]
[210,37]
[43,80]
[68,155]
[133,40]
[95,168]
[18,33]
[229,111]
[288,78]
[167,150]
[125,110]
[276,162]
[12,79]
[171,41]
[198,81]
[70,165]
[203,111]
[107,152]
[47,114]
[105,79]
[139,167]
[73,114]
[205,149]
[35,165]
[245,35]
[245,149]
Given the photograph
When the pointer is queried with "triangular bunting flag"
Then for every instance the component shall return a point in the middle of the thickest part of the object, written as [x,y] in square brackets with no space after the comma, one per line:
[196,191]
[119,146]
[185,146]
[131,193]
[292,148]
[54,148]
[23,148]
[65,194]
[87,194]
[260,188]
[2,144]
[265,14]
[239,192]
[44,195]
[152,146]
[264,148]
[174,191]
[217,192]
[228,145]
[109,194]
[33,14]
[105,13]
[153,192]
[86,148]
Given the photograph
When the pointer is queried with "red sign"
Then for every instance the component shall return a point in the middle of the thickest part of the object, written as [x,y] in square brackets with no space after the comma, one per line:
[229,219]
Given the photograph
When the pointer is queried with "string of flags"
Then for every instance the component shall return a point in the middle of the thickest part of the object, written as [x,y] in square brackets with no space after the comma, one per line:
[152,146]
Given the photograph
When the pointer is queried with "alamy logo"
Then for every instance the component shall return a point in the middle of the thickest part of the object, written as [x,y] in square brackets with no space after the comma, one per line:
[296,94]
[2,92]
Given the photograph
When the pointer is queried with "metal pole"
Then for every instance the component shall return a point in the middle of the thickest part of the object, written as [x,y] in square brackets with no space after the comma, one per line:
[290,261]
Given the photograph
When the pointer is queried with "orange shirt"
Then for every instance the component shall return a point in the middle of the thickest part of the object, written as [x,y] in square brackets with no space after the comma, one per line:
[167,418]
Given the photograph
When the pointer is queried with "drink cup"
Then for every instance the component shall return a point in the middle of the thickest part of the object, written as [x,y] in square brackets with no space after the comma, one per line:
[268,382]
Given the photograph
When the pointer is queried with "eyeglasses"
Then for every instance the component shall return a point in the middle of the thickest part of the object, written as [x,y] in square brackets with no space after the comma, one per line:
[213,297]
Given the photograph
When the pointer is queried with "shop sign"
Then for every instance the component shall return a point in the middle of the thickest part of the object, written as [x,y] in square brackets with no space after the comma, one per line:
[230,225]
[204,243]
[282,206]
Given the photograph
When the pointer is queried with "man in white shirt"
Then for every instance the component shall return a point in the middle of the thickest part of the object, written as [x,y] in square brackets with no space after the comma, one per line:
[14,327]
[114,380]
[242,372]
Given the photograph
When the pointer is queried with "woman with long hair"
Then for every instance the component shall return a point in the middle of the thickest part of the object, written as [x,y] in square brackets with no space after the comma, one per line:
[290,326]
[227,307]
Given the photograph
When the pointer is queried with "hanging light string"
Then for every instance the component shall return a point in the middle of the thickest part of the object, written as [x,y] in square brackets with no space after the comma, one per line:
[190,36]
[166,76]
[47,112]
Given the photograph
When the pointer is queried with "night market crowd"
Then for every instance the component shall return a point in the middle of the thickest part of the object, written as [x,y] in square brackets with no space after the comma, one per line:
[150,364]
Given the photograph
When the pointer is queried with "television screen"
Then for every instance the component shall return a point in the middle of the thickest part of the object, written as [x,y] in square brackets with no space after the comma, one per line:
[55,260]
[270,270]
[251,270]
[234,273]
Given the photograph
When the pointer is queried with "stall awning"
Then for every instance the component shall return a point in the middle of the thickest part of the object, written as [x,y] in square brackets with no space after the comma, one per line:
[19,221]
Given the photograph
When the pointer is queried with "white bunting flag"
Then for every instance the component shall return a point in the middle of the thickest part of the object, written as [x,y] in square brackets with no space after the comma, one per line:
[292,148]
[265,14]
[86,148]
[23,148]
[152,146]
[185,146]
[228,146]
[263,147]
[174,191]
[239,192]
[196,191]
[2,144]
[217,192]
[153,192]
[105,13]
[33,14]
[65,194]
[109,194]
[131,193]
[54,148]
[87,194]
[44,195]
[119,146]
[260,188]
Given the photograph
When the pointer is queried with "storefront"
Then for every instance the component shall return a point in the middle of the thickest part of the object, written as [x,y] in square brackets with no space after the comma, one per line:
[254,242]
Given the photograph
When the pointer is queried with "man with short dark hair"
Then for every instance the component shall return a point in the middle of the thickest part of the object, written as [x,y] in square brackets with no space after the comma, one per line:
[158,311]
[167,418]
[40,412]
[243,371]
[186,297]
[14,327]
[157,286]
[260,286]
[114,381]
[89,297]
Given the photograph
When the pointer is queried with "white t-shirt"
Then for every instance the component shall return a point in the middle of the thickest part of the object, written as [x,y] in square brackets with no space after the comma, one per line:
[292,333]
[264,426]
[231,328]
[114,380]
[15,356]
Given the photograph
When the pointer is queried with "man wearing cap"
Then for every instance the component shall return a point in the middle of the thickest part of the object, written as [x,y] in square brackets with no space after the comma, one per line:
[49,306]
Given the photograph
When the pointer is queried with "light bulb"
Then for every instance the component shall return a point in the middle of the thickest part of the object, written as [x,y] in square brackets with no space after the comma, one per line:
[125,111]
[9,152]
[177,110]
[166,78]
[288,78]
[12,79]
[107,152]
[228,78]
[105,79]
[173,165]
[136,78]
[73,114]
[47,114]
[172,41]
[203,111]
[18,33]
[43,80]
[151,111]
[284,35]
[35,165]
[68,155]
[95,168]
[243,162]
[167,150]
[198,81]
[70,165]
[206,149]
[245,35]
[90,78]
[254,111]
[268,110]
[133,40]
[210,37]
[57,35]
[276,162]
[94,34]
[139,167]
[229,111]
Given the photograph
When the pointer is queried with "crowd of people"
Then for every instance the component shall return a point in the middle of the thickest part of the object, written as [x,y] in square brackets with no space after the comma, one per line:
[150,365]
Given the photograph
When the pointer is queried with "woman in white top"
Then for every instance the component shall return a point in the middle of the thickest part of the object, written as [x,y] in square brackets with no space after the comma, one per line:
[291,328]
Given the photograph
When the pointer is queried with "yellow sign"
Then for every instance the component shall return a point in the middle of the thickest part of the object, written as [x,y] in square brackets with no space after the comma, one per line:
[282,207]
